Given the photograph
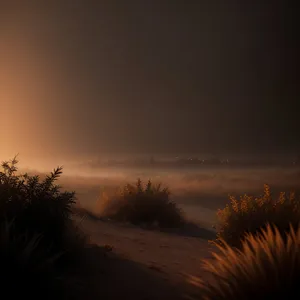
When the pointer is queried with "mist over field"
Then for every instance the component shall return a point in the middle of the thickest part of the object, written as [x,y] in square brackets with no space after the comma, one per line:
[199,190]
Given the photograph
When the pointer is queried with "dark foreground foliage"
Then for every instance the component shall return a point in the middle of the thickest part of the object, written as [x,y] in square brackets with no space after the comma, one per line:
[39,243]
[27,268]
[34,204]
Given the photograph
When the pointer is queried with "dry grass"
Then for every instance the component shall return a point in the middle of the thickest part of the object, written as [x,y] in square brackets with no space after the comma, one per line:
[267,266]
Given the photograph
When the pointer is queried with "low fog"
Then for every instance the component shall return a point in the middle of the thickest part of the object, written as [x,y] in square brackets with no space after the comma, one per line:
[200,190]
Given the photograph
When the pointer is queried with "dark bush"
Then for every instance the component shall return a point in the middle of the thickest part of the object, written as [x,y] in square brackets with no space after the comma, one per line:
[38,206]
[143,204]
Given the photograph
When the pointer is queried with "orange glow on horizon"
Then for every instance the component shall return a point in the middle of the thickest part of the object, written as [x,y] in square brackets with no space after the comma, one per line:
[26,90]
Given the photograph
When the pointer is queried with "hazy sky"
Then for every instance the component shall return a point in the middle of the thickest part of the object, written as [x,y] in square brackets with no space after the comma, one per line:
[86,77]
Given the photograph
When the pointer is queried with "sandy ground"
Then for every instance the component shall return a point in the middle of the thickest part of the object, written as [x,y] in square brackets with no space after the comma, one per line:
[146,264]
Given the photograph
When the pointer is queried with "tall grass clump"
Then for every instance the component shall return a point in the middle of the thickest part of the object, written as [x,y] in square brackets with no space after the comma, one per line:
[250,214]
[143,204]
[38,206]
[266,267]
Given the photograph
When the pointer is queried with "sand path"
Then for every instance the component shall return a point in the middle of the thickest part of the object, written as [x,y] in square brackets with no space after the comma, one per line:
[147,264]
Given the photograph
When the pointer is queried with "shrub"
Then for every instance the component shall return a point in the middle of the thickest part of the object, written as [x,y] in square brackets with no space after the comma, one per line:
[267,267]
[143,204]
[37,207]
[250,215]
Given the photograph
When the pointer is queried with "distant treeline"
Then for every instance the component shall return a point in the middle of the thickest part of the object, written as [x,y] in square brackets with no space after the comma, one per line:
[194,161]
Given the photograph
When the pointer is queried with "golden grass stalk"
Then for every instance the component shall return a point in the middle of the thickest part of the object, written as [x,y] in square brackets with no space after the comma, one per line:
[267,266]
